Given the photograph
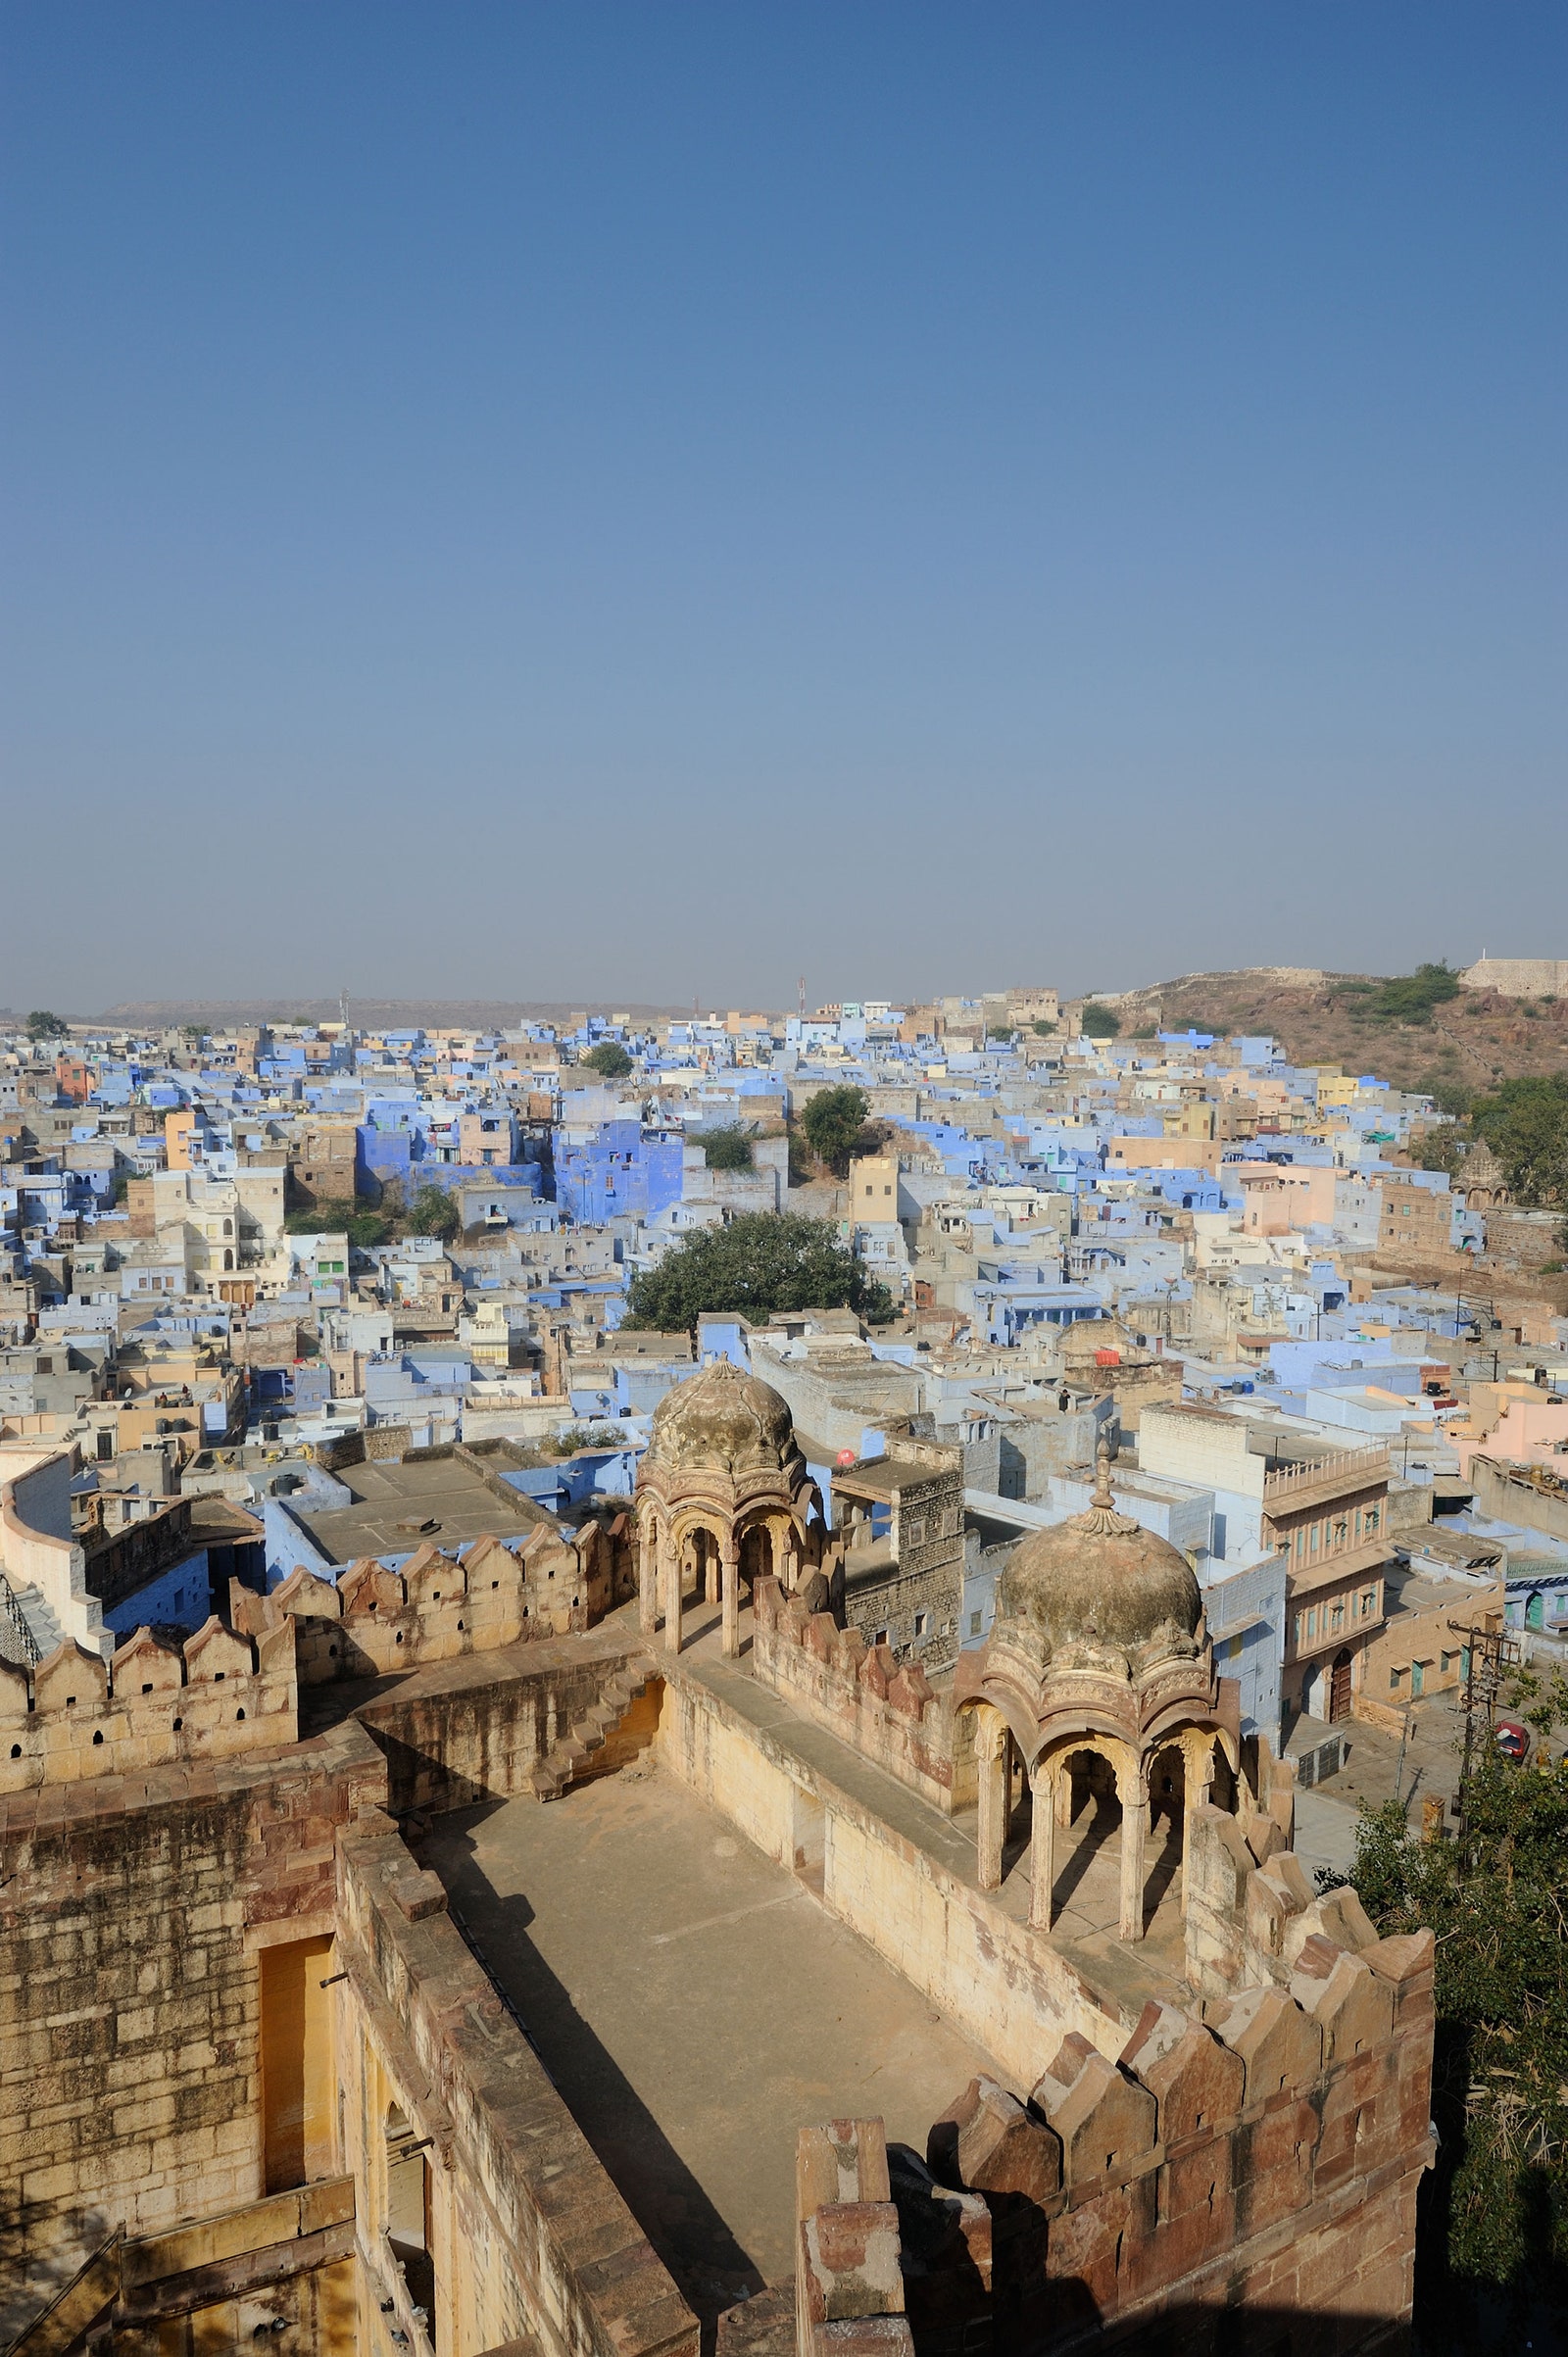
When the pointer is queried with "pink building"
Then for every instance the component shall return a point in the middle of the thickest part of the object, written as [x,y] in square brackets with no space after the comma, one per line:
[1515,1421]
[1282,1199]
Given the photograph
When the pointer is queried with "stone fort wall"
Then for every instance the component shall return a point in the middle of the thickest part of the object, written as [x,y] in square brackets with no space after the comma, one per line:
[132,1928]
[218,1983]
[1518,977]
[887,1710]
[229,1691]
[1262,2147]
[222,1978]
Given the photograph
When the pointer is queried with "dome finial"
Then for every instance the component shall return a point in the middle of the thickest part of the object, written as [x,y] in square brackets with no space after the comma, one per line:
[1101,1519]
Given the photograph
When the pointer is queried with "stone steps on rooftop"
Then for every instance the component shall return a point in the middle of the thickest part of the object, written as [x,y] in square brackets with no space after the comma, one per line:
[589,1733]
[38,1617]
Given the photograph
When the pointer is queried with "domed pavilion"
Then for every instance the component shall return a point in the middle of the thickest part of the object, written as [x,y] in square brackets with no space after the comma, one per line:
[1099,1675]
[1483,1180]
[722,1496]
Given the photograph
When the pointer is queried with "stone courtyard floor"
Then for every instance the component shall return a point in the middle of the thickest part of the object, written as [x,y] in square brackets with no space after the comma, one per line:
[694,2005]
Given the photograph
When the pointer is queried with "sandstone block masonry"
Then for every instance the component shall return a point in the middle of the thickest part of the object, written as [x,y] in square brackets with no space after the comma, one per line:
[885,1709]
[233,1689]
[1239,2169]
[132,1919]
[221,1982]
[224,1979]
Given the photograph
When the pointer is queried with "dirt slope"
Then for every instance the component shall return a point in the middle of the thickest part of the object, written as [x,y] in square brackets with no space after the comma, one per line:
[1473,1040]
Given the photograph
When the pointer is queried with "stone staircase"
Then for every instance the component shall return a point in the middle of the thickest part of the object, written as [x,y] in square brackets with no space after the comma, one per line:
[28,1628]
[574,1754]
[41,1618]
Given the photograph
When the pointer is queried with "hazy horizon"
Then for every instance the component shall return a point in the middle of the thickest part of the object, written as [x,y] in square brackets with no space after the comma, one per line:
[627,504]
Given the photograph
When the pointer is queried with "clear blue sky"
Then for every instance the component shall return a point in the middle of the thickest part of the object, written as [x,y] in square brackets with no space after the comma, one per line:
[641,501]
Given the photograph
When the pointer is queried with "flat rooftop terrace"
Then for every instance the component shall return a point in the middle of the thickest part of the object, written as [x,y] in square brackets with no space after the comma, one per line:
[694,2005]
[439,1490]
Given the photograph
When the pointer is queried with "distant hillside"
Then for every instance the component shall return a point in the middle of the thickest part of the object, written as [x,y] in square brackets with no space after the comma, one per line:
[366,1015]
[1471,1041]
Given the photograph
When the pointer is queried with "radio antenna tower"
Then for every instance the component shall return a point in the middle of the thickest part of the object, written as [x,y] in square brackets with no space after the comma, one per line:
[802,993]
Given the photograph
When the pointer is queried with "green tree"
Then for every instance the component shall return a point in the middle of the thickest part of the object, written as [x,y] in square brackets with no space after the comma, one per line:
[1496,1903]
[1100,1022]
[330,1217]
[1042,1029]
[1407,998]
[608,1059]
[1438,1150]
[336,1215]
[432,1213]
[45,1024]
[833,1122]
[759,1262]
[1525,1124]
[729,1148]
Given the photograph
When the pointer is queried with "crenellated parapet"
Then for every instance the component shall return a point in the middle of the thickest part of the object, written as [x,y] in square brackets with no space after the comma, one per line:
[376,1619]
[233,1689]
[1253,1918]
[1156,2179]
[887,1709]
[220,1694]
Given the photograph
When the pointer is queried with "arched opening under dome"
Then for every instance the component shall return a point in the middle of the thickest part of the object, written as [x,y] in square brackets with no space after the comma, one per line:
[757,1554]
[1095,1784]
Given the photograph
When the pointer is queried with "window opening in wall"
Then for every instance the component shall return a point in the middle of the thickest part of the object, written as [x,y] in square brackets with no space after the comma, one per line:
[809,1827]
[407,2214]
[297,2067]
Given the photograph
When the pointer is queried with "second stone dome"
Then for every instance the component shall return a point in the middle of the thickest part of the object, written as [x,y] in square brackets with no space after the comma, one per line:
[1100,1579]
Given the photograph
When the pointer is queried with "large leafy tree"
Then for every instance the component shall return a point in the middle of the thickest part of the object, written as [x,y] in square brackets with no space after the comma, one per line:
[1498,1903]
[1100,1022]
[833,1121]
[1403,998]
[759,1262]
[432,1213]
[729,1148]
[336,1215]
[1410,998]
[608,1059]
[1525,1124]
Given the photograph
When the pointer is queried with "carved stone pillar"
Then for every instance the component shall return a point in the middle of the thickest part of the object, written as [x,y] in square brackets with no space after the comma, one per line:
[1043,1848]
[1134,1820]
[1198,1778]
[648,1578]
[672,1586]
[731,1574]
[991,1758]
[710,1568]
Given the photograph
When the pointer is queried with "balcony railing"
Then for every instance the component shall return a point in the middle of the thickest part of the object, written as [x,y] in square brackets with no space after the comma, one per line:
[11,1611]
[1346,1468]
